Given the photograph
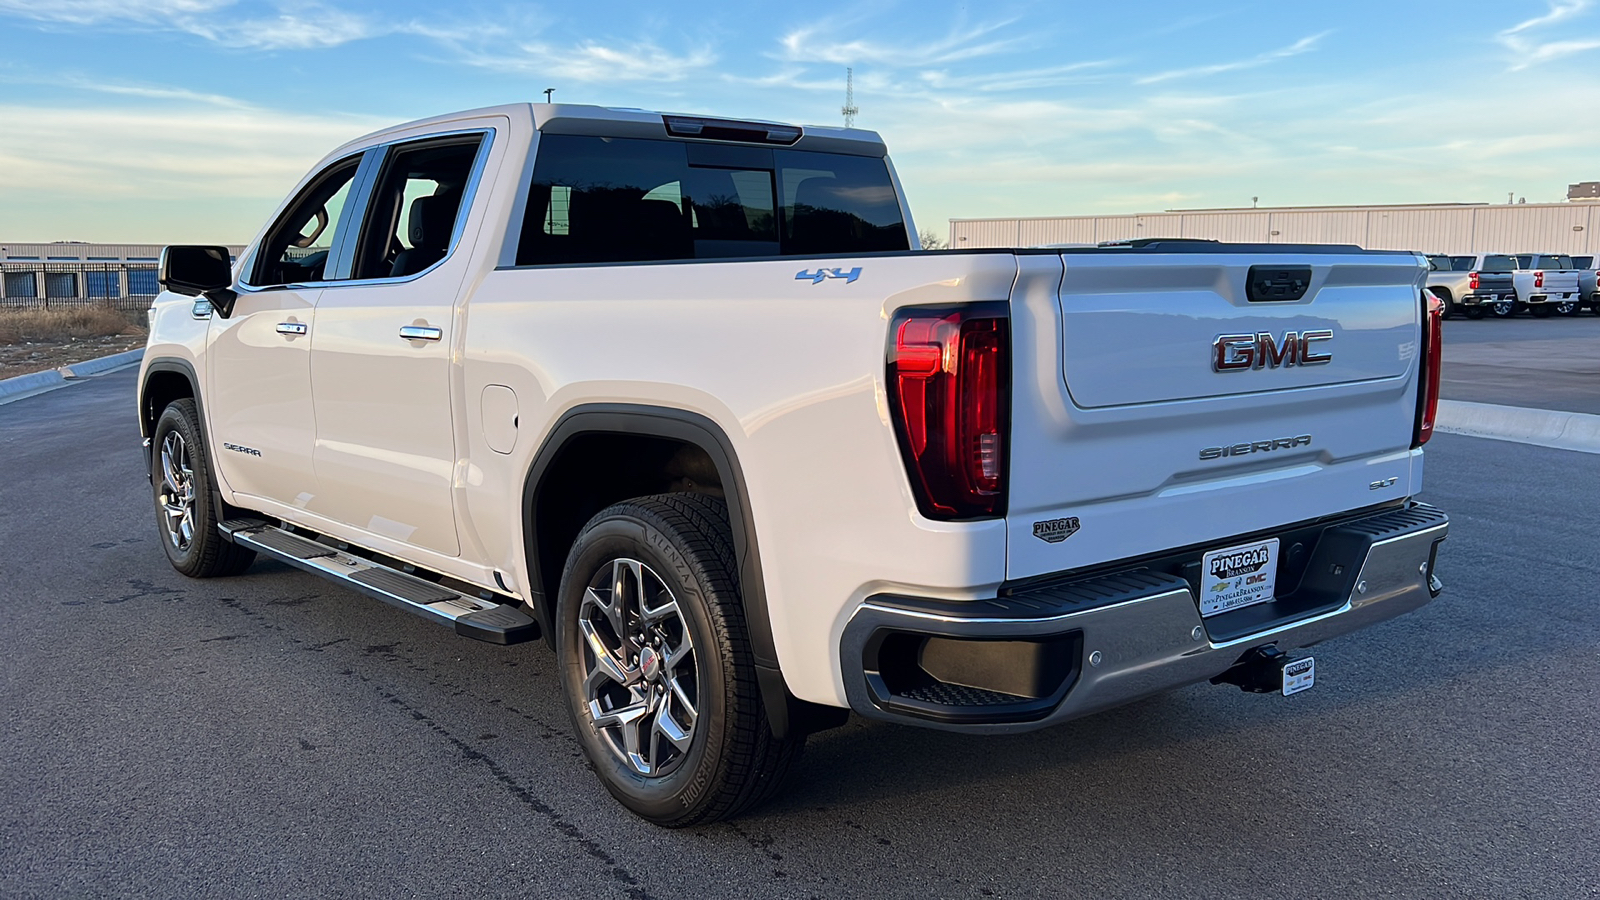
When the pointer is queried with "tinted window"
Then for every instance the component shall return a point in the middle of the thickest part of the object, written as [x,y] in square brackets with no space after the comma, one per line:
[1497,263]
[1524,260]
[620,200]
[1463,263]
[1439,264]
[1583,262]
[413,213]
[1553,261]
[838,204]
[297,248]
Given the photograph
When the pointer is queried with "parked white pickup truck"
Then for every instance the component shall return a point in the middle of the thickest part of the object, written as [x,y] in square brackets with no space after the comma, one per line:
[681,395]
[1547,284]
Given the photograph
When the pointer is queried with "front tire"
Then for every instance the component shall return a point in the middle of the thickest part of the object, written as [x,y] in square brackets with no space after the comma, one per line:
[1475,312]
[180,473]
[1504,309]
[1568,308]
[656,663]
[1542,310]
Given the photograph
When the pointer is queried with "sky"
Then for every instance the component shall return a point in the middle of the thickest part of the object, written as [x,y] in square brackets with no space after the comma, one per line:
[158,121]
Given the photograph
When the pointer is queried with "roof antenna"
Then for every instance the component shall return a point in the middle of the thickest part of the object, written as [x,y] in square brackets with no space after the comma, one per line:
[547,93]
[849,108]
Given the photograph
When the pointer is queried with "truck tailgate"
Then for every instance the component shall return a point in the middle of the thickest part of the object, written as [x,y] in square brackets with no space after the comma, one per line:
[1127,436]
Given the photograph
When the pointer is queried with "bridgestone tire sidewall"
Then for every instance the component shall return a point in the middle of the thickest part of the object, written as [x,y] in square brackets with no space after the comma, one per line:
[675,795]
[176,418]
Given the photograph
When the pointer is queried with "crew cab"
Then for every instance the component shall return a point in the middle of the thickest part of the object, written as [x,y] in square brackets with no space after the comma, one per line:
[1474,285]
[1547,284]
[681,395]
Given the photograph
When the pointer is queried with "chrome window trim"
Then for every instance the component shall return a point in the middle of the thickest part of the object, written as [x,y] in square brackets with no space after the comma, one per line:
[347,239]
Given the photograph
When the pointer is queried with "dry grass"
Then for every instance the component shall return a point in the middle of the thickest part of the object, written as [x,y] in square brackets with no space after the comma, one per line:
[62,324]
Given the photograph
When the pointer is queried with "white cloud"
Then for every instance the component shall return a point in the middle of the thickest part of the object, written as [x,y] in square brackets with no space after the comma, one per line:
[1528,50]
[296,26]
[825,43]
[1304,45]
[592,62]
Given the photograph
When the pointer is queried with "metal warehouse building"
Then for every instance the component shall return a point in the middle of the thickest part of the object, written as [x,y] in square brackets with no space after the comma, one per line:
[1437,228]
[69,272]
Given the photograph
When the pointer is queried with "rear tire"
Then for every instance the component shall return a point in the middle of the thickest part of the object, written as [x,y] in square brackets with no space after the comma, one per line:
[1504,309]
[656,665]
[180,477]
[1568,308]
[1542,310]
[1475,312]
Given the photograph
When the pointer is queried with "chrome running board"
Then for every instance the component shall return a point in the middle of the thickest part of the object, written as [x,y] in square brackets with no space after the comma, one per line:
[473,617]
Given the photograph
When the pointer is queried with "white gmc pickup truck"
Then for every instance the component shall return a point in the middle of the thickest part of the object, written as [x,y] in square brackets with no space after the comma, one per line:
[681,395]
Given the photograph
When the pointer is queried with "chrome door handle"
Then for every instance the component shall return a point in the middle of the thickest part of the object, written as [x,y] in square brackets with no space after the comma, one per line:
[421,332]
[291,328]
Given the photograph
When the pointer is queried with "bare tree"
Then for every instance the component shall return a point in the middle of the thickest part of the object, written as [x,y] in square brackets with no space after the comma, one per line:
[931,240]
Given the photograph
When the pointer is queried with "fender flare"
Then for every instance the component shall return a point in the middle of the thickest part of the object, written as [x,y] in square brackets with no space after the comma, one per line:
[784,711]
[676,424]
[186,369]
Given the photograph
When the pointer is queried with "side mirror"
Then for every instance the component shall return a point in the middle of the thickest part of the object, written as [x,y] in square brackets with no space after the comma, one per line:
[200,272]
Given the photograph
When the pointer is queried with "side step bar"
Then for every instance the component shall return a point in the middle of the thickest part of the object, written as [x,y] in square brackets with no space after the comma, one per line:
[472,617]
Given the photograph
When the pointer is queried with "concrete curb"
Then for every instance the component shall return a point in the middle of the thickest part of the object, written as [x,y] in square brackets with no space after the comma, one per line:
[50,379]
[102,365]
[1542,427]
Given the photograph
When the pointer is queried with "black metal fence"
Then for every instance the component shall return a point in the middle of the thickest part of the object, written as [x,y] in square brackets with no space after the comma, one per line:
[118,285]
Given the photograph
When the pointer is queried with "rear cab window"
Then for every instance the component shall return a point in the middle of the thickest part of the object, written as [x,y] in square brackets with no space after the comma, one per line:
[618,200]
[1495,262]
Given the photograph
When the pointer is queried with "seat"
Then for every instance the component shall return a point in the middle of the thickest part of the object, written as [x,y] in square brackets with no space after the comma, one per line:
[432,219]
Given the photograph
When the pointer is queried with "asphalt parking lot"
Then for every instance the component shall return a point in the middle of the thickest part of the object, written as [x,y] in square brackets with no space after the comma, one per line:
[275,736]
[1546,363]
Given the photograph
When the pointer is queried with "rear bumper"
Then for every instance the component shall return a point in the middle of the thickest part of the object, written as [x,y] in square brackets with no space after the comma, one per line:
[1042,656]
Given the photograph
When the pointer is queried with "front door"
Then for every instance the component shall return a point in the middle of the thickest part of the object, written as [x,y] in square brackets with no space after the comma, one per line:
[258,398]
[381,358]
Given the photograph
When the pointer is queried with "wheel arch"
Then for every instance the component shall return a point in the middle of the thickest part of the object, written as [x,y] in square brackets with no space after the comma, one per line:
[625,422]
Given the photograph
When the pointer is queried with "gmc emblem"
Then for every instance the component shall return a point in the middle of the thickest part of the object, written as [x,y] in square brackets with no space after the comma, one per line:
[1236,352]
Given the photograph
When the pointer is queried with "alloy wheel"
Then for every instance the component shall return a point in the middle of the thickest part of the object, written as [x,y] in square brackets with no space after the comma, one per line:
[641,689]
[177,491]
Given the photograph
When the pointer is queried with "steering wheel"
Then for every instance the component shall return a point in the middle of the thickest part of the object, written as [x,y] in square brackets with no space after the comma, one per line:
[306,240]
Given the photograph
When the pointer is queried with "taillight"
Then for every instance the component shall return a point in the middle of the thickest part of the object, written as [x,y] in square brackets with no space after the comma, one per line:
[1432,360]
[1472,280]
[1538,279]
[949,379]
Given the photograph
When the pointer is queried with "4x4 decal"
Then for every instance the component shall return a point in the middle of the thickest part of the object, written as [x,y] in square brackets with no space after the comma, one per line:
[821,275]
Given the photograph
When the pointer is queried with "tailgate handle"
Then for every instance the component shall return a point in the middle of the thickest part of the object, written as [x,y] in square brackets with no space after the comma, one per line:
[1273,283]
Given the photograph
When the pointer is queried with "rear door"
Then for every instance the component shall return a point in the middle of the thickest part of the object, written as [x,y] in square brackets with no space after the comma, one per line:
[383,353]
[1162,402]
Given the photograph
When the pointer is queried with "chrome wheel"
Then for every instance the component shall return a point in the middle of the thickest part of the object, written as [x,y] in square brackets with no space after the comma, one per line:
[1504,308]
[177,491]
[640,689]
[1567,308]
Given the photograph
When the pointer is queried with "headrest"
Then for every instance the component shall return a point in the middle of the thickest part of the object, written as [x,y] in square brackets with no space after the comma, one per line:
[432,219]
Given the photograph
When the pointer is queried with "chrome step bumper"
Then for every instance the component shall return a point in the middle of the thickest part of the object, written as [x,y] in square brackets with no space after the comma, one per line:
[1039,657]
[474,617]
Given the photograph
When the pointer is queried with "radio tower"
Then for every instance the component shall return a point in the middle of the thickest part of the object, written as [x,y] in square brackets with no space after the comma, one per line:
[849,108]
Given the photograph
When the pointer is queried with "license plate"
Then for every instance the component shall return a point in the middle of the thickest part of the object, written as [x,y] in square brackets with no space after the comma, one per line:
[1236,577]
[1299,675]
